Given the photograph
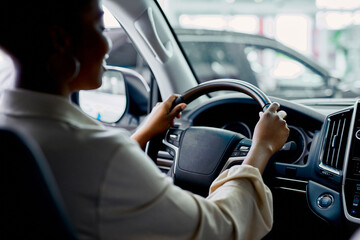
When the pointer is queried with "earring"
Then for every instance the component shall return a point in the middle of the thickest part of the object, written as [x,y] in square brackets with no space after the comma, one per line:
[63,66]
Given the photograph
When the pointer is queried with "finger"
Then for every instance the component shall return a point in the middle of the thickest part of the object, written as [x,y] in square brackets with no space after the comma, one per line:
[260,114]
[167,104]
[273,107]
[172,98]
[282,114]
[178,109]
[176,112]
[171,123]
[178,115]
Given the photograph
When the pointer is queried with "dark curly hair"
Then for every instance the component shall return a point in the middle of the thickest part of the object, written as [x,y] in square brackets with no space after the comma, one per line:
[24,26]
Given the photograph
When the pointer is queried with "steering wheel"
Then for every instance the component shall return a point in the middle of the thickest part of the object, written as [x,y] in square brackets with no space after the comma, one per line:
[201,153]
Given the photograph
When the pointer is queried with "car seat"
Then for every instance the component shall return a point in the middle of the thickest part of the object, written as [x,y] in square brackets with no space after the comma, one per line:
[31,204]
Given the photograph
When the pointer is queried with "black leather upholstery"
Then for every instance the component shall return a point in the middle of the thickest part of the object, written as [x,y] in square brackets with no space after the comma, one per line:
[31,205]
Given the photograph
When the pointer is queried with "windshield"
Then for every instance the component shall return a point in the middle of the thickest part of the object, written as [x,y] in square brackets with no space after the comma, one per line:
[294,49]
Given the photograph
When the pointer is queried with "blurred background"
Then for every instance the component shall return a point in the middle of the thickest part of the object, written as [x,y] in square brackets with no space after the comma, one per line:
[328,31]
[294,49]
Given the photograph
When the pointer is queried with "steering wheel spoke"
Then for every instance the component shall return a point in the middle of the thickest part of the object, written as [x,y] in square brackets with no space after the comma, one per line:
[239,154]
[173,136]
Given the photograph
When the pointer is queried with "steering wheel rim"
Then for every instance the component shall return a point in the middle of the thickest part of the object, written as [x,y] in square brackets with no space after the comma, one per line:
[179,142]
[224,84]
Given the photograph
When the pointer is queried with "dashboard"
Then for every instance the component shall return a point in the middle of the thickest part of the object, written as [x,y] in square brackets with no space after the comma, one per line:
[241,115]
[321,159]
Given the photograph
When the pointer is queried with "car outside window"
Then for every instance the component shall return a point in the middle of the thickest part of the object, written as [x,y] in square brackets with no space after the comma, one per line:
[280,75]
[211,60]
[322,34]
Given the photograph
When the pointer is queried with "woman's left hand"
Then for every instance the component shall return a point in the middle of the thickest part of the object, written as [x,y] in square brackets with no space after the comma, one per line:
[158,121]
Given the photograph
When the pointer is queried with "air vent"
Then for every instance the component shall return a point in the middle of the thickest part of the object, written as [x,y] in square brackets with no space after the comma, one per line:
[164,161]
[335,141]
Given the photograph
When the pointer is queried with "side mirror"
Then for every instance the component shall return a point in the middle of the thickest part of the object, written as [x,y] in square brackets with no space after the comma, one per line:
[335,84]
[114,99]
[107,103]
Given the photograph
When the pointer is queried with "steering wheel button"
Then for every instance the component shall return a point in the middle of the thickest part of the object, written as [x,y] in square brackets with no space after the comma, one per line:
[170,151]
[235,154]
[244,148]
[173,136]
[243,153]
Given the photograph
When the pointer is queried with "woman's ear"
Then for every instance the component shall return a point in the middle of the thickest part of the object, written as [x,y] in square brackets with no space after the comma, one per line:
[62,65]
[61,40]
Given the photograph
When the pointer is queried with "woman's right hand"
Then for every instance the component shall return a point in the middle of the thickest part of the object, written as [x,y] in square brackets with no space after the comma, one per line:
[270,135]
[271,131]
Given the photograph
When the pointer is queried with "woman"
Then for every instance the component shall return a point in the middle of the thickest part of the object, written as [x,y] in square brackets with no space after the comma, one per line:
[110,188]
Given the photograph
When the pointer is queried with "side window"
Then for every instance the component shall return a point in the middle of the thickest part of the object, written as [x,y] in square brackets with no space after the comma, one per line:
[279,74]
[123,53]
